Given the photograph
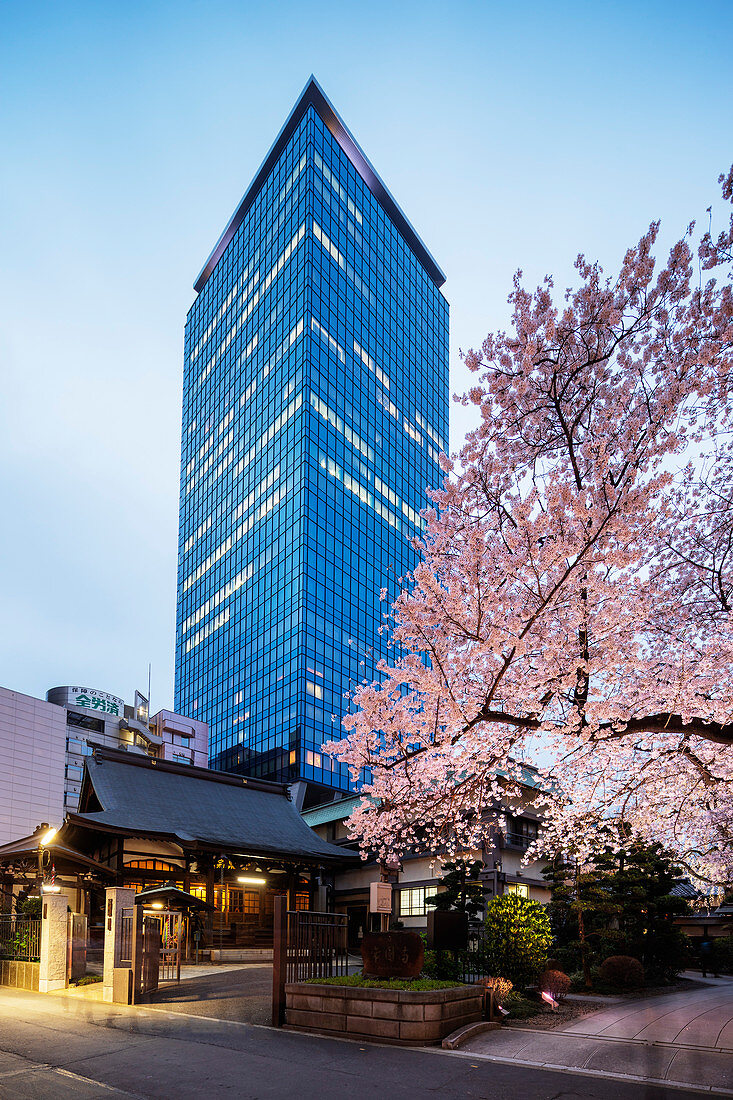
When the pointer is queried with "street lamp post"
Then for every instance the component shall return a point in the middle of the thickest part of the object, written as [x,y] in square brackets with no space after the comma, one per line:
[47,835]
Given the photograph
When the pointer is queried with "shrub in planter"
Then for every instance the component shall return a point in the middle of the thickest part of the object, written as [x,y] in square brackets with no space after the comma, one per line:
[441,965]
[501,987]
[555,982]
[621,972]
[517,938]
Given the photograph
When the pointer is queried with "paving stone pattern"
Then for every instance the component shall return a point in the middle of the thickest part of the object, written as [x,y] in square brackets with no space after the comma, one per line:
[683,1037]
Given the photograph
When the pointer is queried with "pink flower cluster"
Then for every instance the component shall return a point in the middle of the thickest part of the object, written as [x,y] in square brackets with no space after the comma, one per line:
[573,601]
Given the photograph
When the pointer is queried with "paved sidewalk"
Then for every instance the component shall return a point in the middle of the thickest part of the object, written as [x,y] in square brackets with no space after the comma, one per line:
[684,1038]
[700,1017]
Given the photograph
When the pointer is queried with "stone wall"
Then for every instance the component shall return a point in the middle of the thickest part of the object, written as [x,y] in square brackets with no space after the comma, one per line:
[389,1015]
[22,975]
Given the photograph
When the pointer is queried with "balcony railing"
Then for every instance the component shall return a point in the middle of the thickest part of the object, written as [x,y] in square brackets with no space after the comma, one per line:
[519,840]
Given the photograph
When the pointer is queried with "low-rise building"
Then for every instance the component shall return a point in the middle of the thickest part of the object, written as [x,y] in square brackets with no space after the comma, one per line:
[417,876]
[43,745]
[232,842]
[32,750]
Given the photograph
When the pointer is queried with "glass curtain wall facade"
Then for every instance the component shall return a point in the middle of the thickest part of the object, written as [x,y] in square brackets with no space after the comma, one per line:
[315,405]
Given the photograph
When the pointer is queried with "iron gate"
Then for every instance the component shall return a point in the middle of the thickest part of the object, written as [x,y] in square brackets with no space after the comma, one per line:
[317,945]
[171,935]
[306,945]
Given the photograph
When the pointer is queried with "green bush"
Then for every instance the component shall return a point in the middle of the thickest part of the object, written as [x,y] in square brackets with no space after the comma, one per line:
[90,979]
[621,972]
[577,982]
[720,959]
[420,985]
[554,982]
[501,987]
[518,937]
[441,965]
[519,1007]
[29,907]
[568,958]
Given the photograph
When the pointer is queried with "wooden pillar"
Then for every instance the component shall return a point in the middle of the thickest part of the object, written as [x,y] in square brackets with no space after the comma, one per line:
[120,861]
[292,881]
[279,961]
[210,900]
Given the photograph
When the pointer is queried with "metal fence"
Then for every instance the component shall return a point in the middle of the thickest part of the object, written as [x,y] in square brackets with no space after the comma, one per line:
[317,945]
[20,939]
[126,938]
[474,963]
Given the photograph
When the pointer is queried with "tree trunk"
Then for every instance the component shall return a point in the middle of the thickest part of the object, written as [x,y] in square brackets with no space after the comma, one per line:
[584,951]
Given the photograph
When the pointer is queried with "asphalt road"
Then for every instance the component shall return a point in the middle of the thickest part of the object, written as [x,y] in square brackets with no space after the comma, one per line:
[64,1047]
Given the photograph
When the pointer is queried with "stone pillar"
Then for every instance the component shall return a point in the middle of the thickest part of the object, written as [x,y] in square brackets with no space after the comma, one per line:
[54,931]
[118,898]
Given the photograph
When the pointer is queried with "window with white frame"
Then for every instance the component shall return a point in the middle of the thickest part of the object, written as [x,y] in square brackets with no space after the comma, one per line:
[521,889]
[412,900]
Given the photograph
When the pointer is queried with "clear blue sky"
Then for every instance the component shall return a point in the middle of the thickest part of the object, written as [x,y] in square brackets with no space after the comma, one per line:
[513,135]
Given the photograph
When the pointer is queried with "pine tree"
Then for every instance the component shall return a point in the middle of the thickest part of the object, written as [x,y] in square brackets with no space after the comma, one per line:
[462,888]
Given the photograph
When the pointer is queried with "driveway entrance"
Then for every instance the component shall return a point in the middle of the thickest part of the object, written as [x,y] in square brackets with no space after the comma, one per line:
[684,1037]
[241,992]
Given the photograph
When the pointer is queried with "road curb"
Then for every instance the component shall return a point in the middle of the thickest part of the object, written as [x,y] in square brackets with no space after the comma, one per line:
[468,1031]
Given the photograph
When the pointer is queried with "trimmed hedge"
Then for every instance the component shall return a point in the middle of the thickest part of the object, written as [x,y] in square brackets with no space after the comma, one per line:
[621,972]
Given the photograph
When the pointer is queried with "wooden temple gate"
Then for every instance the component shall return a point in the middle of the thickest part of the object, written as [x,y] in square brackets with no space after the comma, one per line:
[146,954]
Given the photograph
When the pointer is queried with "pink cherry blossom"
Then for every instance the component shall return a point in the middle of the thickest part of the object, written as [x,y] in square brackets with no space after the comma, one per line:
[572,605]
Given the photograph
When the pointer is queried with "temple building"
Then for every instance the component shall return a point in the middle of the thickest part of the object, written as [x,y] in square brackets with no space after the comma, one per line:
[233,842]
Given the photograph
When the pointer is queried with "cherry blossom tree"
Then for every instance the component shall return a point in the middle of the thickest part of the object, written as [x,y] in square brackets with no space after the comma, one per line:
[572,605]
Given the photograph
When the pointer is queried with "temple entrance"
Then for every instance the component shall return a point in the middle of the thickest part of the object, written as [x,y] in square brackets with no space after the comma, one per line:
[243,916]
[177,915]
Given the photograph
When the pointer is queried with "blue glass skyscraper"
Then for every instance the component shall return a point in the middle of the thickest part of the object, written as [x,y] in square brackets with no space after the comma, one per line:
[315,404]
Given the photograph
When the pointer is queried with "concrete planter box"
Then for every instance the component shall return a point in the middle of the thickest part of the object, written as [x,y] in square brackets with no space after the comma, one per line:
[22,975]
[402,1016]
